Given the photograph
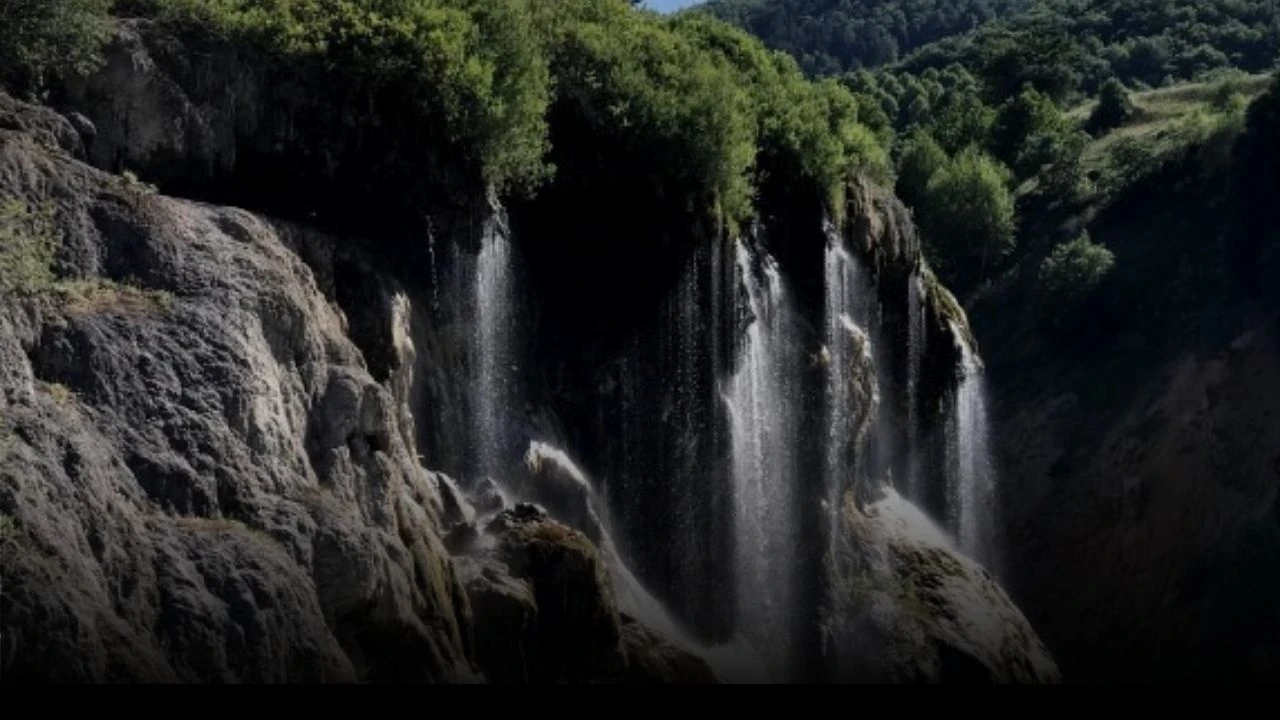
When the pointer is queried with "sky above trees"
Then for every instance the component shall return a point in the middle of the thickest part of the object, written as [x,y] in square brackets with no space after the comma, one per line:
[669,5]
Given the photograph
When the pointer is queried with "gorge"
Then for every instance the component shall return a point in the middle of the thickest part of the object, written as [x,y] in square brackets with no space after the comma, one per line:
[321,406]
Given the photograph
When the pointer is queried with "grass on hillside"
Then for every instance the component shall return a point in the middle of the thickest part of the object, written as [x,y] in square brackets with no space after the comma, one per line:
[1156,197]
[1162,114]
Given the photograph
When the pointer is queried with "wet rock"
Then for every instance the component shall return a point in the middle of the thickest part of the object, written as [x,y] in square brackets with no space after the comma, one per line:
[881,227]
[912,609]
[506,634]
[578,623]
[456,507]
[544,606]
[553,481]
[209,484]
[652,659]
[489,498]
[463,539]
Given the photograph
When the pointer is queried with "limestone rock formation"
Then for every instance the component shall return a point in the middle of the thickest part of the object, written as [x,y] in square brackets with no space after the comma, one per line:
[205,481]
[544,607]
[201,480]
[217,427]
[909,608]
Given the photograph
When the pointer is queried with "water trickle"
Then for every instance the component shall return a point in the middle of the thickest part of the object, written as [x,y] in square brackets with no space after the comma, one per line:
[492,352]
[762,400]
[846,305]
[435,272]
[916,348]
[971,476]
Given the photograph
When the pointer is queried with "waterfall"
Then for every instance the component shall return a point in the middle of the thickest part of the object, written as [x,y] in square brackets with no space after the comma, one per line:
[435,266]
[846,303]
[971,479]
[763,407]
[687,362]
[916,348]
[492,350]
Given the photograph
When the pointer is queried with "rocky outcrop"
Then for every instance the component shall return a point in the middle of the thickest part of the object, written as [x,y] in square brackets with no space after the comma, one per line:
[545,610]
[43,126]
[882,228]
[909,608]
[902,604]
[207,468]
[206,482]
[206,117]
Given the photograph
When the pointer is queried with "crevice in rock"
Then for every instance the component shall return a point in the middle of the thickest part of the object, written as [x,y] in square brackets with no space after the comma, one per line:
[363,300]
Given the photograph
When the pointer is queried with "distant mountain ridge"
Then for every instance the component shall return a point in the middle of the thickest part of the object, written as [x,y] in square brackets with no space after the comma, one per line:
[1147,42]
[831,36]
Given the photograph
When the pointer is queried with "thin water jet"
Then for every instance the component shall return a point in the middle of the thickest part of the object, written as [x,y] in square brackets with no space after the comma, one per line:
[492,356]
[763,412]
[971,486]
[917,340]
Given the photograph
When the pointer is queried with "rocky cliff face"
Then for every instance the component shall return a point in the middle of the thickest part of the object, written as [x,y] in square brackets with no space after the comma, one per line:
[202,481]
[1164,519]
[913,610]
[217,426]
[204,478]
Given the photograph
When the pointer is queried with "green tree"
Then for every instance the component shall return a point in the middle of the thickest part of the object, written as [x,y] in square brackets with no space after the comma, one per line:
[921,159]
[1026,129]
[1062,173]
[1114,108]
[961,120]
[1073,270]
[1043,55]
[968,218]
[40,38]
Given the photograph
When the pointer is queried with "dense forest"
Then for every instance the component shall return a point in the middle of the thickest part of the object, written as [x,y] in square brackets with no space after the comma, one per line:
[831,36]
[1082,42]
[982,131]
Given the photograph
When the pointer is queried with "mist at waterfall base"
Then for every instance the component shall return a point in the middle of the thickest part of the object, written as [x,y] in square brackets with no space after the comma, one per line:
[731,408]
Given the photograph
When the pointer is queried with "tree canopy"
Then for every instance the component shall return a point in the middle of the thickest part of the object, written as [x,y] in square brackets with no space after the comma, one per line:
[702,105]
[43,37]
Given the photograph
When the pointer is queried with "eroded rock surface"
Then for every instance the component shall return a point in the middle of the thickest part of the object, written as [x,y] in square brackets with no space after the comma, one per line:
[545,609]
[204,477]
[909,608]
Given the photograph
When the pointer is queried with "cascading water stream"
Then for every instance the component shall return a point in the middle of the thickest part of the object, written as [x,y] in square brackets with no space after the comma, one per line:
[971,479]
[762,402]
[659,462]
[847,304]
[916,348]
[435,267]
[492,356]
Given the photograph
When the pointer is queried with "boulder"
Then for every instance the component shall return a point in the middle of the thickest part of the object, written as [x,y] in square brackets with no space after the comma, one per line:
[545,611]
[910,608]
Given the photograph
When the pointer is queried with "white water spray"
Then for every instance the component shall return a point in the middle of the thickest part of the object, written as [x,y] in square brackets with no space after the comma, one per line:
[435,272]
[971,476]
[916,348]
[762,401]
[492,352]
[846,306]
